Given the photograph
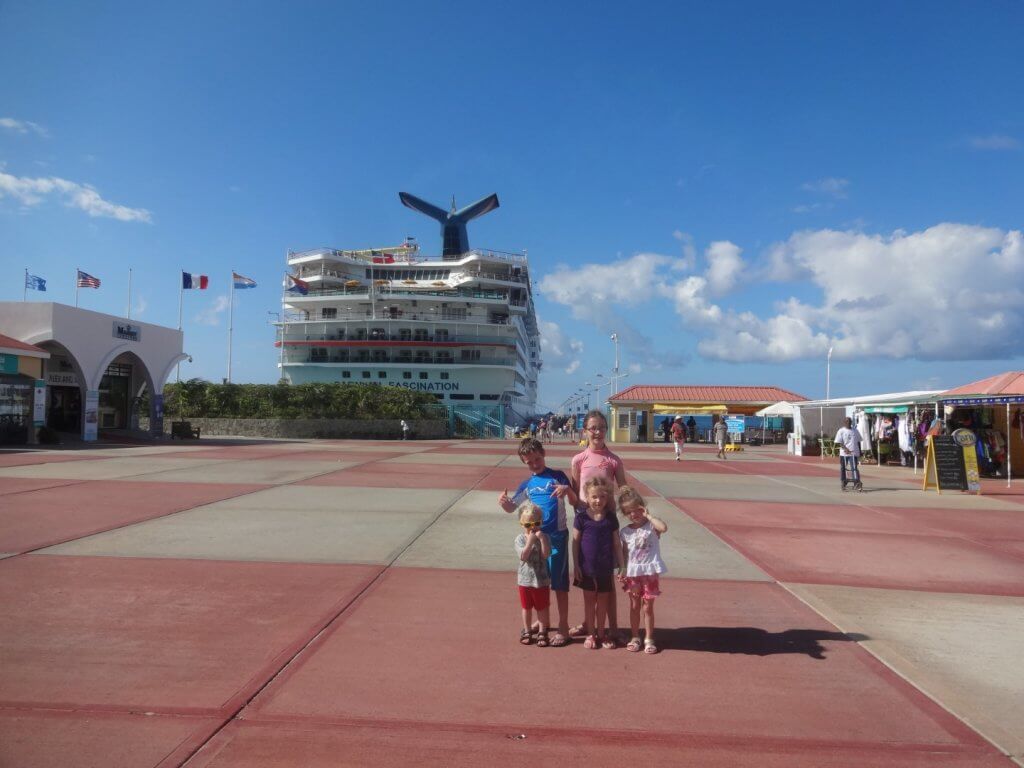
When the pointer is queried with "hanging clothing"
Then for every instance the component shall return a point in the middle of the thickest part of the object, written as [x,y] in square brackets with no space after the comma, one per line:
[865,431]
[904,436]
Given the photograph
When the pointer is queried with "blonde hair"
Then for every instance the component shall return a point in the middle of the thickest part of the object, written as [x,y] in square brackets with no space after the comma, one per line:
[598,482]
[595,414]
[630,497]
[528,507]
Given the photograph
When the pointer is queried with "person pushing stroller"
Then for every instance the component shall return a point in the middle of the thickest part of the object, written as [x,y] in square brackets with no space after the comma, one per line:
[848,440]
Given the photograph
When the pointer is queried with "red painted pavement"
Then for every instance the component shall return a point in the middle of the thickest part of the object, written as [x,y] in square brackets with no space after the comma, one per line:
[41,518]
[30,458]
[895,561]
[715,512]
[440,648]
[311,745]
[48,739]
[22,484]
[167,636]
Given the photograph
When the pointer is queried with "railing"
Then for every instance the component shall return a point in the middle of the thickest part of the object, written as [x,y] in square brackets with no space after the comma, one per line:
[383,292]
[411,340]
[307,359]
[383,316]
[406,255]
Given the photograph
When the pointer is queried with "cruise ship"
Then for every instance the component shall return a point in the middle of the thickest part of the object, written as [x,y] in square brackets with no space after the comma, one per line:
[460,325]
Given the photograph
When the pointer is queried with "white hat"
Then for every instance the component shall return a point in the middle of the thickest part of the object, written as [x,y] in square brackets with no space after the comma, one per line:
[679,418]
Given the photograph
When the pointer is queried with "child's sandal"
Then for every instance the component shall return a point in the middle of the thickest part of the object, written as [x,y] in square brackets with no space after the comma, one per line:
[591,642]
[542,639]
[633,646]
[650,647]
[608,643]
[524,637]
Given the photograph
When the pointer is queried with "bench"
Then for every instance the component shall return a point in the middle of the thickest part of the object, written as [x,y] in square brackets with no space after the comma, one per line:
[183,429]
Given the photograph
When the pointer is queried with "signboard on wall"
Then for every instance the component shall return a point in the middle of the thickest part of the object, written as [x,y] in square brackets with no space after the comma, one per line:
[735,424]
[945,467]
[8,363]
[39,403]
[92,415]
[59,379]
[126,331]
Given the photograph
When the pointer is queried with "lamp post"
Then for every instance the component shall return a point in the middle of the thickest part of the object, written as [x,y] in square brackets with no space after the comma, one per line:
[615,371]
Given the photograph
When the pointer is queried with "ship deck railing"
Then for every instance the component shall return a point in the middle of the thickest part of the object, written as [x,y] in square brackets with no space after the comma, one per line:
[367,317]
[384,292]
[410,255]
[292,359]
[410,340]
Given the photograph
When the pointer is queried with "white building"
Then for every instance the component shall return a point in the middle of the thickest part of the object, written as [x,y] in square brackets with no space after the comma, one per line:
[99,364]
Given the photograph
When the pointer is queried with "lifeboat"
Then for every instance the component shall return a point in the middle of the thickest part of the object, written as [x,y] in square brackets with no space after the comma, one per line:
[381,282]
[408,282]
[440,283]
[352,283]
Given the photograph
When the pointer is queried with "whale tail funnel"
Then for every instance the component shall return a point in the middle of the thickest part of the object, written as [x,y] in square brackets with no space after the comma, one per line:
[455,240]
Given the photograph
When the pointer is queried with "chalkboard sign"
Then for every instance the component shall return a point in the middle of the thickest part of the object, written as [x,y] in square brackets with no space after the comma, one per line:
[945,463]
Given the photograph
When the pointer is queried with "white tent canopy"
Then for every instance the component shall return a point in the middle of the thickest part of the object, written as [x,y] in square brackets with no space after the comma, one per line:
[781,408]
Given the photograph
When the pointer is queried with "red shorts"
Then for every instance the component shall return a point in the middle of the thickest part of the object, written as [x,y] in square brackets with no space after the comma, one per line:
[642,586]
[538,598]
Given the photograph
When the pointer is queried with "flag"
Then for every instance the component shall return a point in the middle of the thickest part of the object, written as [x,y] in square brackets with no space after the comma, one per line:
[85,280]
[35,283]
[190,281]
[296,285]
[242,282]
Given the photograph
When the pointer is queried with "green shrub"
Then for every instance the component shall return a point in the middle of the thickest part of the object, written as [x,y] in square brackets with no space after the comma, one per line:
[197,398]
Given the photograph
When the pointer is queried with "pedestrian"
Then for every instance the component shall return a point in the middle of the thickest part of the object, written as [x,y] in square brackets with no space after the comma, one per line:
[597,553]
[678,436]
[721,435]
[666,430]
[405,430]
[691,427]
[533,548]
[848,440]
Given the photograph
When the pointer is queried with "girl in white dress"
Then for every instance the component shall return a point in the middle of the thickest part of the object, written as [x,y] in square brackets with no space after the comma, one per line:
[641,550]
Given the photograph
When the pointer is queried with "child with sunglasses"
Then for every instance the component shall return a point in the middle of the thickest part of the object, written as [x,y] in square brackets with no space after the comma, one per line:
[533,548]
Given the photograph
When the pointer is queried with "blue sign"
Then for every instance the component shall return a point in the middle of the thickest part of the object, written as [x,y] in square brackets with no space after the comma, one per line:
[736,424]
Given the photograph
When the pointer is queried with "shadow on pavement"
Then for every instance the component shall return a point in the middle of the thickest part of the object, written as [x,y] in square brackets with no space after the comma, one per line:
[751,641]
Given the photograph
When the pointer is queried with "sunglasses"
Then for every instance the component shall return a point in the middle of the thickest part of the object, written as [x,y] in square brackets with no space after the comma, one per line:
[530,525]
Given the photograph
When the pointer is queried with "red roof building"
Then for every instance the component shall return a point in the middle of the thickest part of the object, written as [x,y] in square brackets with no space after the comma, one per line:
[634,408]
[1005,384]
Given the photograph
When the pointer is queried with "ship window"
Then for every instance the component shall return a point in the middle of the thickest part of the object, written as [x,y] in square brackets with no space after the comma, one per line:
[441,334]
[382,374]
[470,354]
[406,374]
[490,397]
[423,374]
[404,334]
[366,374]
[444,374]
[328,313]
[318,353]
[421,334]
[346,374]
[461,397]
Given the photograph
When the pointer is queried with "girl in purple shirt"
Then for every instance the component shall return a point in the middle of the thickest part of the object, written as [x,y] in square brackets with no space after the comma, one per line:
[596,558]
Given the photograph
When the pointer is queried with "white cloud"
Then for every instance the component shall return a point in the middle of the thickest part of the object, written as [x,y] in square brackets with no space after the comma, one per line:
[211,315]
[689,259]
[949,292]
[993,142]
[725,266]
[831,186]
[23,126]
[31,192]
[557,349]
[141,305]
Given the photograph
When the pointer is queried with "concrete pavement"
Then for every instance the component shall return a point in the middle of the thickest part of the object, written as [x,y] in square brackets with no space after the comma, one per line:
[322,603]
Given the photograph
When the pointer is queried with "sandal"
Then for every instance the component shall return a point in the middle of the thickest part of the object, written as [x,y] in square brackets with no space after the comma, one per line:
[580,630]
[542,639]
[608,643]
[524,637]
[559,640]
[650,647]
[633,646]
[591,642]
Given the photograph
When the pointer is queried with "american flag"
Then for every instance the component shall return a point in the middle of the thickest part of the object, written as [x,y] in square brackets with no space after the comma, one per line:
[85,280]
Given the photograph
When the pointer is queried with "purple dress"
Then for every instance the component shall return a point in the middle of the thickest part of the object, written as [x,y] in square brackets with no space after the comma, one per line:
[597,537]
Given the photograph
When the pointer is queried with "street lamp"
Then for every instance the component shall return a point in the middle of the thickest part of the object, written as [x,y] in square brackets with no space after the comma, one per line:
[615,371]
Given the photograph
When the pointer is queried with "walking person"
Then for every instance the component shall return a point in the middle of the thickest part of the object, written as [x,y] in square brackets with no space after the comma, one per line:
[721,435]
[848,440]
[678,436]
[405,429]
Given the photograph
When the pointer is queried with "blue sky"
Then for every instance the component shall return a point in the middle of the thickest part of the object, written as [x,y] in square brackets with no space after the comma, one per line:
[732,188]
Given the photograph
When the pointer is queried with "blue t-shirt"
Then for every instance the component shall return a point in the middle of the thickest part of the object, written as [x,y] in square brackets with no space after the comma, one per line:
[538,489]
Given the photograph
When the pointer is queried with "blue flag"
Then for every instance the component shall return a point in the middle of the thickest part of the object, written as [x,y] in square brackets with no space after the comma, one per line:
[34,282]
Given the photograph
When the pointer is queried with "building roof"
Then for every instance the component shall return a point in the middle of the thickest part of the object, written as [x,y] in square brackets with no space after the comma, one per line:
[724,395]
[9,346]
[1009,383]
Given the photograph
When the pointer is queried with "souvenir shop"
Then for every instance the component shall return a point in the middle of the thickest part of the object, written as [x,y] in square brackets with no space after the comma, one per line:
[993,409]
[895,433]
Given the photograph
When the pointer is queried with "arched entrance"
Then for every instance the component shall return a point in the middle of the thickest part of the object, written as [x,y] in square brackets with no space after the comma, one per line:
[122,378]
[65,387]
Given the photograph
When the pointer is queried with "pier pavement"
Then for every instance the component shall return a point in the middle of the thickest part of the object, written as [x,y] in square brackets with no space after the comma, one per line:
[229,603]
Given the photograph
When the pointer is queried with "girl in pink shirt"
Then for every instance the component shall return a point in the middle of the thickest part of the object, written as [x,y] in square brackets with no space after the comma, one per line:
[597,461]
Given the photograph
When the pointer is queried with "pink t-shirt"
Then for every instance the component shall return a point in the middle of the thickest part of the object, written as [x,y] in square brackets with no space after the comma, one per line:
[590,463]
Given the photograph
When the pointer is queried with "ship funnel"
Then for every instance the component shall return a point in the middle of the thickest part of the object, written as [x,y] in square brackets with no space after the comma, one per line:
[455,240]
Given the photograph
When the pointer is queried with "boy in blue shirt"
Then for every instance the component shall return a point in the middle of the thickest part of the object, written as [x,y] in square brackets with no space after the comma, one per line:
[548,489]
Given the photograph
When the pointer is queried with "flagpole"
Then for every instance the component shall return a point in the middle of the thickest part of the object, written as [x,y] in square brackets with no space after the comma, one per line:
[77,270]
[231,320]
[181,292]
[128,314]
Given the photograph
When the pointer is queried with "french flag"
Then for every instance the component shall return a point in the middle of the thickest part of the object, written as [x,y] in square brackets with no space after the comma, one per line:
[190,281]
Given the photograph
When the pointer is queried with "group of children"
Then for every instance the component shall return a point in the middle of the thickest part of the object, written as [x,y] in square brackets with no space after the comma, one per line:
[603,553]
